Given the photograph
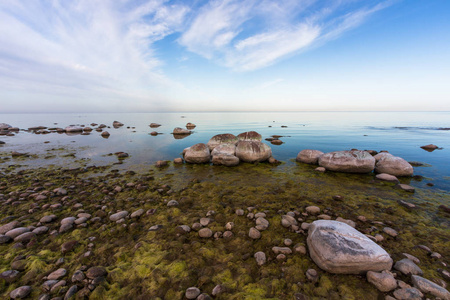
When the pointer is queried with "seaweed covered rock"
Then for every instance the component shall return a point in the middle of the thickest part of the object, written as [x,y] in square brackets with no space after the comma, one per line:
[339,248]
[252,151]
[197,154]
[250,136]
[353,161]
[309,156]
[394,165]
[219,139]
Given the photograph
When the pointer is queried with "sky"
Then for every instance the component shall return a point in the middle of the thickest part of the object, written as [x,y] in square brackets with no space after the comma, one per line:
[224,55]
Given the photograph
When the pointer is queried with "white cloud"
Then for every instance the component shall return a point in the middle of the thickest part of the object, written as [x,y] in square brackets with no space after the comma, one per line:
[219,30]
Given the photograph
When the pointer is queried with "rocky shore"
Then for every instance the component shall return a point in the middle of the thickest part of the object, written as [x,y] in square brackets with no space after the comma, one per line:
[203,233]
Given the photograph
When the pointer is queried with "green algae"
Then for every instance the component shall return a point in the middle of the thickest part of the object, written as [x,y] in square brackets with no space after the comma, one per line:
[162,264]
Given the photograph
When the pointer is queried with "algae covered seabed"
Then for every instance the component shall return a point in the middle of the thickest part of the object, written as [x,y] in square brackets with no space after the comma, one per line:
[162,264]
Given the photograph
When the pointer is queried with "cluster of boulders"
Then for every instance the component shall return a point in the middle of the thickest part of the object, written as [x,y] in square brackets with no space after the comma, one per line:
[228,150]
[8,130]
[387,166]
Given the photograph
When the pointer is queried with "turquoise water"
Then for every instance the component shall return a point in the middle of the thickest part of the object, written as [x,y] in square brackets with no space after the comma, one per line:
[401,133]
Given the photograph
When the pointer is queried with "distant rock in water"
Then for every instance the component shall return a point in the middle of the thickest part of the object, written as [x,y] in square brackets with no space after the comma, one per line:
[353,161]
[154,125]
[430,147]
[190,125]
[250,136]
[4,126]
[117,124]
[73,129]
[181,131]
[309,156]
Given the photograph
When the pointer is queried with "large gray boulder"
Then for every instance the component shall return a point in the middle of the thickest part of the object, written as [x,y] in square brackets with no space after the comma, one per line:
[197,154]
[394,165]
[250,136]
[309,156]
[229,149]
[353,161]
[339,248]
[225,138]
[253,151]
[225,160]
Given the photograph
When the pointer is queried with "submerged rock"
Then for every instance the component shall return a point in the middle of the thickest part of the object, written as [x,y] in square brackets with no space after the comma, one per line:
[429,147]
[181,131]
[252,151]
[353,161]
[154,125]
[309,156]
[339,248]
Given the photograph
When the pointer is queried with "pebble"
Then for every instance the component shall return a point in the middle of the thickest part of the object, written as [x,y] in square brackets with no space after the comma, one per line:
[412,257]
[300,249]
[312,275]
[40,230]
[260,258]
[25,237]
[228,234]
[21,292]
[10,275]
[71,292]
[58,274]
[172,203]
[97,271]
[407,267]
[324,217]
[427,286]
[281,257]
[254,233]
[383,281]
[260,215]
[320,169]
[390,231]
[68,246]
[436,255]
[406,188]
[68,221]
[205,233]
[192,293]
[239,212]
[197,226]
[137,213]
[4,239]
[282,250]
[287,221]
[262,223]
[47,219]
[408,294]
[218,289]
[117,216]
[155,227]
[205,221]
[346,221]
[287,242]
[16,232]
[229,226]
[78,276]
[313,210]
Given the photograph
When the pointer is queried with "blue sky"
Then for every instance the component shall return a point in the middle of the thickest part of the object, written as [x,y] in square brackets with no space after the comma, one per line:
[246,55]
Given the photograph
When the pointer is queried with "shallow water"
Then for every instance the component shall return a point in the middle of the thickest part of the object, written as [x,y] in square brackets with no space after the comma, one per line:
[401,133]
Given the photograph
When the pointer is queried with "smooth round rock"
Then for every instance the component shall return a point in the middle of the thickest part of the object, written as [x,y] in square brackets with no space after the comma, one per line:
[205,233]
[117,216]
[192,293]
[21,292]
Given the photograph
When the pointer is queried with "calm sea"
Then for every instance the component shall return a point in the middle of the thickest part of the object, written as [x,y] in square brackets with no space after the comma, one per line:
[401,133]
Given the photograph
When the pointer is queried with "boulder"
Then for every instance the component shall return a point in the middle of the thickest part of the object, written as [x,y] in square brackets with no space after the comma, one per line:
[394,165]
[353,161]
[250,136]
[427,286]
[381,155]
[73,129]
[225,138]
[197,154]
[181,131]
[339,248]
[252,151]
[229,149]
[309,156]
[225,160]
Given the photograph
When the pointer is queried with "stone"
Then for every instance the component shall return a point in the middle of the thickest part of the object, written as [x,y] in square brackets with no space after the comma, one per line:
[261,223]
[183,229]
[20,292]
[205,221]
[353,161]
[429,147]
[25,237]
[222,139]
[181,131]
[137,213]
[192,293]
[225,160]
[383,281]
[205,233]
[346,221]
[382,155]
[228,234]
[65,228]
[117,124]
[282,250]
[71,292]
[406,188]
[253,151]
[105,134]
[250,136]
[427,286]
[117,216]
[97,271]
[68,246]
[390,231]
[68,221]
[407,267]
[320,169]
[300,249]
[178,161]
[312,275]
[313,210]
[239,212]
[197,154]
[47,219]
[288,221]
[10,226]
[78,276]
[386,177]
[172,203]
[154,125]
[339,248]
[155,227]
[229,226]
[394,165]
[40,230]
[408,294]
[309,156]
[228,149]
[10,275]
[287,242]
[412,257]
[13,233]
[71,129]
[58,274]
[161,163]
[254,233]
[260,258]
[218,289]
